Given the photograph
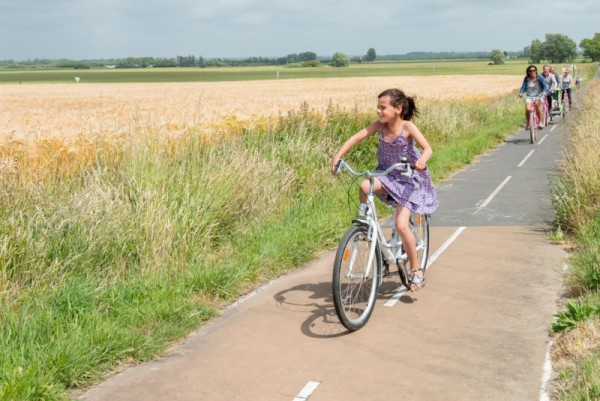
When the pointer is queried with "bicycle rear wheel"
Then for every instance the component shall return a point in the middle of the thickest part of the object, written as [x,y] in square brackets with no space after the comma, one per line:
[420,227]
[355,290]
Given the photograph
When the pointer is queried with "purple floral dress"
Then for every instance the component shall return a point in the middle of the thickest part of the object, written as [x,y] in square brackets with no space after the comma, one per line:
[417,193]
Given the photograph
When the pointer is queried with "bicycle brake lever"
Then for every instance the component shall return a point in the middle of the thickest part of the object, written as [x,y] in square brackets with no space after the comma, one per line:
[338,167]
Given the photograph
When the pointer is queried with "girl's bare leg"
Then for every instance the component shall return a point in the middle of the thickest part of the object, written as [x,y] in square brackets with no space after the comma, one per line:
[408,239]
[364,189]
[538,111]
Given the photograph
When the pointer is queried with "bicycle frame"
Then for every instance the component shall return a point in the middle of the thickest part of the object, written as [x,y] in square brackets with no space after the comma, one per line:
[566,100]
[533,120]
[364,251]
[545,110]
[388,250]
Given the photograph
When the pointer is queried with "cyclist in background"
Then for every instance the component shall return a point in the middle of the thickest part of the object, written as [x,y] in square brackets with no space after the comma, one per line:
[566,85]
[534,87]
[553,72]
[552,84]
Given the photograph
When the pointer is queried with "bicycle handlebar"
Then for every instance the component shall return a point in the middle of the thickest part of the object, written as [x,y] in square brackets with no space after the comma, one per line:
[404,166]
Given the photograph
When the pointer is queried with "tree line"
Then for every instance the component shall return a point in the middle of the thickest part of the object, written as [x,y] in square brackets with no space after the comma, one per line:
[556,48]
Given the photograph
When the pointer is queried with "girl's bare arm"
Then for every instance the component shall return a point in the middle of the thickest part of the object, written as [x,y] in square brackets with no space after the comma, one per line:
[353,140]
[426,151]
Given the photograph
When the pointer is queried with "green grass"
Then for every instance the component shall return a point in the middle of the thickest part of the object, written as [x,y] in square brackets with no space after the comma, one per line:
[111,265]
[214,74]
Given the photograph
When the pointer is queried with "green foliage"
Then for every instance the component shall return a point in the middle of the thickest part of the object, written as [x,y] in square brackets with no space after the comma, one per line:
[311,63]
[536,51]
[581,382]
[497,57]
[576,312]
[591,47]
[559,48]
[339,60]
[371,55]
[584,275]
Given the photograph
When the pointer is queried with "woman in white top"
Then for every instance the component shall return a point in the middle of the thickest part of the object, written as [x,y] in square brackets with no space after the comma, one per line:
[566,85]
[551,82]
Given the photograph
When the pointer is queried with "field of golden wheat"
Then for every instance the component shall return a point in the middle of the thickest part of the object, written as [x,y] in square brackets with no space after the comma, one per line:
[29,113]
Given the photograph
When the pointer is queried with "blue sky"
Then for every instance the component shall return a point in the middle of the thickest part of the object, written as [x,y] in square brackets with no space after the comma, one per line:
[90,29]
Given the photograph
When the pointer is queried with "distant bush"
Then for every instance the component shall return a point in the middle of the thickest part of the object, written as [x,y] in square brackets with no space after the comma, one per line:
[311,63]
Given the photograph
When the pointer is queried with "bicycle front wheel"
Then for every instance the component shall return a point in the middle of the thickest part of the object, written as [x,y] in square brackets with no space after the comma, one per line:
[354,282]
[532,126]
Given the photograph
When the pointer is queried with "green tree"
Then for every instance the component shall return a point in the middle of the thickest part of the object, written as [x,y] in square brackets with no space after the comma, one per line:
[307,56]
[371,55]
[497,57]
[591,47]
[339,60]
[559,48]
[536,51]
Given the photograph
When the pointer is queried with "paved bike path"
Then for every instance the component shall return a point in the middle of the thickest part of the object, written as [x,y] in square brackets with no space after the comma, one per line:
[478,331]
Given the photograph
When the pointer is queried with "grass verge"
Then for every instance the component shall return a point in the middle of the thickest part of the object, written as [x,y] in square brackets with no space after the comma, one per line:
[576,354]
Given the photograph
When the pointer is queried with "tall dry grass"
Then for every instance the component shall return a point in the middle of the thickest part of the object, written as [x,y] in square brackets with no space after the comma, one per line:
[578,204]
[576,191]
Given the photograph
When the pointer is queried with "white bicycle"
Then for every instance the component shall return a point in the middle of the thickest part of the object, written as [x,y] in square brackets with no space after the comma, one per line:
[364,255]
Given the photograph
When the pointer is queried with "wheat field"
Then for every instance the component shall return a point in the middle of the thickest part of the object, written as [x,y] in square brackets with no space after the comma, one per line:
[58,128]
[34,112]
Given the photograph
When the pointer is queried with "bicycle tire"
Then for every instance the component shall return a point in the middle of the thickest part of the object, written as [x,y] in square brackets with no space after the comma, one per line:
[420,227]
[354,294]
[532,126]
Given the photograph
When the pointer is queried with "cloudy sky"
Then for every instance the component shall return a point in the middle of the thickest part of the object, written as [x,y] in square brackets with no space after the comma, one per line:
[92,29]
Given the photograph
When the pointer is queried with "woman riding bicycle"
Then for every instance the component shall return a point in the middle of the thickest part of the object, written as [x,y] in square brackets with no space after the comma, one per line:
[534,87]
[551,82]
[566,85]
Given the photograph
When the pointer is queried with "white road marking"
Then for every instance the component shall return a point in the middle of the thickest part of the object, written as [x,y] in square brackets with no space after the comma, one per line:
[445,245]
[546,374]
[489,199]
[542,140]
[525,159]
[553,127]
[394,299]
[306,391]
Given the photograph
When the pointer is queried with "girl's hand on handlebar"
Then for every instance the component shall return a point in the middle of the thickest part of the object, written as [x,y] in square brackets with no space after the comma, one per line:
[420,165]
[334,165]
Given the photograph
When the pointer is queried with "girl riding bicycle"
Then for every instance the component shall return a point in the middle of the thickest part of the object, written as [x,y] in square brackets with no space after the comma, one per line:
[534,87]
[397,137]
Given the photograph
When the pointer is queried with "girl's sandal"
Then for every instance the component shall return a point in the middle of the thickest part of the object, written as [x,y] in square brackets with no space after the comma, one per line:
[416,282]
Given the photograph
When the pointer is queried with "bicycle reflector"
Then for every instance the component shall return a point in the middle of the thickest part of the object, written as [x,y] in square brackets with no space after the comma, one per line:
[346,254]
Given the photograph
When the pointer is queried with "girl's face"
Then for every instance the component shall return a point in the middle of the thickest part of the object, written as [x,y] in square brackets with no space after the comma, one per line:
[386,111]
